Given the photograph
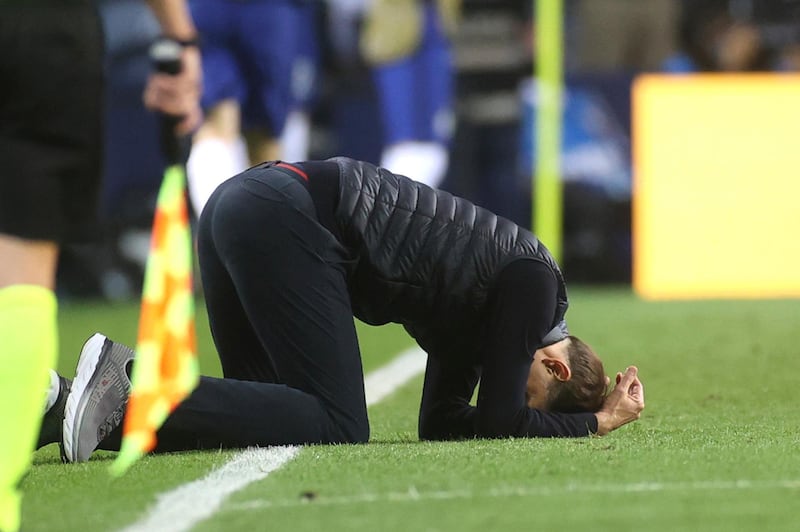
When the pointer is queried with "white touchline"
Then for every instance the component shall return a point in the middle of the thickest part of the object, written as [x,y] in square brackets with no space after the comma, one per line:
[188,504]
[413,495]
[385,380]
[180,509]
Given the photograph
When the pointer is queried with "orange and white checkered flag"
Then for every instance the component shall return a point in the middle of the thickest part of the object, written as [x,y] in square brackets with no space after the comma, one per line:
[166,369]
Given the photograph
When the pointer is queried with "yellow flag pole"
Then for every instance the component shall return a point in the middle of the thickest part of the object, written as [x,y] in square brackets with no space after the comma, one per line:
[547,187]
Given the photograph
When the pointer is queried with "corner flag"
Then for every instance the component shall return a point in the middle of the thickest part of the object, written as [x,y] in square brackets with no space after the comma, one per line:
[166,369]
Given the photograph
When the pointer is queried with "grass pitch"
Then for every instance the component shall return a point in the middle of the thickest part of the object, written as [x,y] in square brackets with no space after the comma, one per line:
[717,448]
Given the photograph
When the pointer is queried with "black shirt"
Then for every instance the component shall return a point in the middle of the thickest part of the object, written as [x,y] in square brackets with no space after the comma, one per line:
[520,310]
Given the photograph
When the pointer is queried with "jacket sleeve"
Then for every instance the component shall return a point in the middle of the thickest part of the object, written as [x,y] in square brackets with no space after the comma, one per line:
[521,312]
[445,412]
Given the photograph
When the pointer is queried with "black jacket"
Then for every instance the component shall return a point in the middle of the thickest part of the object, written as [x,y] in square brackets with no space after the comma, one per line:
[427,259]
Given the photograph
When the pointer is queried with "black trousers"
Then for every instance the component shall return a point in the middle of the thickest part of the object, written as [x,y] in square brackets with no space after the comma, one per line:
[280,315]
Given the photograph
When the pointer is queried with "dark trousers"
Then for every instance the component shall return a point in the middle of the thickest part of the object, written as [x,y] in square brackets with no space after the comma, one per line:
[280,315]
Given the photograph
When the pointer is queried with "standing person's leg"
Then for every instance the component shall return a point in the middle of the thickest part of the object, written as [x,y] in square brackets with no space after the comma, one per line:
[267,68]
[218,152]
[437,120]
[28,329]
[218,149]
[415,96]
[281,319]
[304,79]
[50,131]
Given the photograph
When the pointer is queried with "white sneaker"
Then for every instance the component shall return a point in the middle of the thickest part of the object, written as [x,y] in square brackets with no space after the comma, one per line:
[96,403]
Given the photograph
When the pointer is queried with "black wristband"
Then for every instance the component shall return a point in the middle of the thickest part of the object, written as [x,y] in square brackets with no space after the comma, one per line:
[185,43]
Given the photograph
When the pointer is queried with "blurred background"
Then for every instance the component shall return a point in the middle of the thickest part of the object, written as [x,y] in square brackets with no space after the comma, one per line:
[486,125]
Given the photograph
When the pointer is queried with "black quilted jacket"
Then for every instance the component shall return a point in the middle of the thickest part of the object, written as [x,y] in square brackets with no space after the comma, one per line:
[427,259]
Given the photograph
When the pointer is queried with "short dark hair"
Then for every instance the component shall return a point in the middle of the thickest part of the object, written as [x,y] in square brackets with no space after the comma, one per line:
[585,391]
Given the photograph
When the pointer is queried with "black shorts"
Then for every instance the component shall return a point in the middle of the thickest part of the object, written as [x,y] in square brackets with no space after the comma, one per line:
[51,99]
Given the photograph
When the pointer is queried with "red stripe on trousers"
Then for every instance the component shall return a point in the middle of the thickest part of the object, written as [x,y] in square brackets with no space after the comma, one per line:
[294,169]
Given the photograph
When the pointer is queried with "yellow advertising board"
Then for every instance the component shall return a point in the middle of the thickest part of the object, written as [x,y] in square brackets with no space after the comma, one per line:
[716,205]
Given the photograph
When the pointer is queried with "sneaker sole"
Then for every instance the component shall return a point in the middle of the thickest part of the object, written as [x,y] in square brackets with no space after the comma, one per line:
[87,364]
[96,406]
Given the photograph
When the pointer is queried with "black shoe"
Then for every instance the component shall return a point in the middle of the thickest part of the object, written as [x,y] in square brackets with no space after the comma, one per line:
[54,418]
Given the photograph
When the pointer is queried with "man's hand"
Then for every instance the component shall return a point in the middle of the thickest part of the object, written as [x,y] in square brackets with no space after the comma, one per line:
[178,95]
[624,404]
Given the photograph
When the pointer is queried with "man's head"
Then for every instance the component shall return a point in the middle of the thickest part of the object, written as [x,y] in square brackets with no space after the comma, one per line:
[567,376]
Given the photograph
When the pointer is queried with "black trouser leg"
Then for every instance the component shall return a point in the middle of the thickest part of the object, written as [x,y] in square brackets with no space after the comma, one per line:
[281,320]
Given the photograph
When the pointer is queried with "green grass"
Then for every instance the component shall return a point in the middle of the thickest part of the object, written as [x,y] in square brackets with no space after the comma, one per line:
[718,446]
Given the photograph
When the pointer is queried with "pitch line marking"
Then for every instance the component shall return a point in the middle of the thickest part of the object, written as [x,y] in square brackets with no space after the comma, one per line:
[413,495]
[188,504]
[182,508]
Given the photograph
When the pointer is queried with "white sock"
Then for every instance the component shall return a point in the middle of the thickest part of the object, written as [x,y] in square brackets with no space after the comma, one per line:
[241,159]
[52,391]
[296,136]
[211,162]
[425,162]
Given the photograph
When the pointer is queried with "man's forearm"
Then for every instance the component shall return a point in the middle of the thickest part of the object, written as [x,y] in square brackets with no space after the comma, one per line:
[448,422]
[174,18]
